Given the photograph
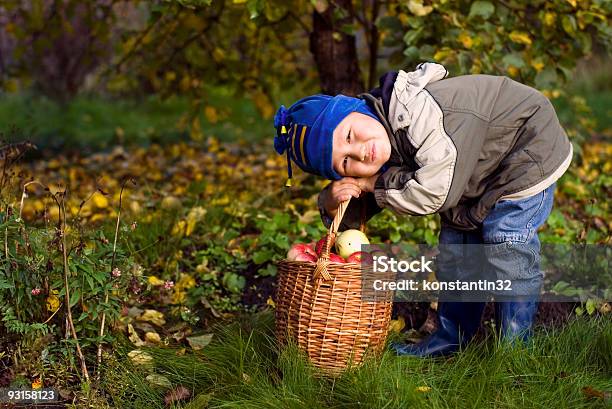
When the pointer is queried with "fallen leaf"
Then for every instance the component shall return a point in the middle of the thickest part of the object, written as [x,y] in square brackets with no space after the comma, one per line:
[133,336]
[397,325]
[153,338]
[154,281]
[423,388]
[159,380]
[140,358]
[592,393]
[199,341]
[153,316]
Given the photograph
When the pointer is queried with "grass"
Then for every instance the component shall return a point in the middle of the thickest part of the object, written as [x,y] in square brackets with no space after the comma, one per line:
[242,368]
[97,123]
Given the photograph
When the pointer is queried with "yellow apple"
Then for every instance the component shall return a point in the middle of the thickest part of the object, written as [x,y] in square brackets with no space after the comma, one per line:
[350,241]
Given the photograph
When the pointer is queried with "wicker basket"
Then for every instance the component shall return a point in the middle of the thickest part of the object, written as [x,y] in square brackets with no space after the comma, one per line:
[321,306]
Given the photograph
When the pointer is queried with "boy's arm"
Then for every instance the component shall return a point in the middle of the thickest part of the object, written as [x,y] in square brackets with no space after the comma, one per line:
[352,217]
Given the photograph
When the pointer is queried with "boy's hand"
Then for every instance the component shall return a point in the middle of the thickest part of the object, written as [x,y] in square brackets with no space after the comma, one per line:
[345,188]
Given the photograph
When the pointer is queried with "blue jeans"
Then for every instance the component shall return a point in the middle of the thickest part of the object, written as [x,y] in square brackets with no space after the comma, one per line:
[505,248]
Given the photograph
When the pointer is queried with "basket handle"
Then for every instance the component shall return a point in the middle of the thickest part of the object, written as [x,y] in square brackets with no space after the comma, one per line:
[323,260]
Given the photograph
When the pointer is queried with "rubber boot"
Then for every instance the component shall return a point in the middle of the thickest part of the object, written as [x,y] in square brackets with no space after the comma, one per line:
[516,319]
[459,321]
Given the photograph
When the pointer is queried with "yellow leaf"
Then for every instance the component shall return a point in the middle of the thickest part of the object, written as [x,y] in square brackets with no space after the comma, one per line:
[178,297]
[152,337]
[194,216]
[171,203]
[263,104]
[154,281]
[139,357]
[221,201]
[37,384]
[218,54]
[153,316]
[186,282]
[537,64]
[135,206]
[211,114]
[240,1]
[195,131]
[423,388]
[416,7]
[271,302]
[133,336]
[442,54]
[53,302]
[170,76]
[465,39]
[550,18]
[513,71]
[179,228]
[572,2]
[397,325]
[100,200]
[520,37]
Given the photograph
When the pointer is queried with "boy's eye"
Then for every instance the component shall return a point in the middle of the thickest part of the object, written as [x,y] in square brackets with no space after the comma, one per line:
[344,162]
[348,137]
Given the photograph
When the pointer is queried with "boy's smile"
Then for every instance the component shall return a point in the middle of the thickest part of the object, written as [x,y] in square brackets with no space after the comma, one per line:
[360,146]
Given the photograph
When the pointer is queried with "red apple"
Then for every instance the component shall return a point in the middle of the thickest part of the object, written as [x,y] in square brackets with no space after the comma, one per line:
[320,245]
[298,249]
[359,257]
[334,258]
[306,257]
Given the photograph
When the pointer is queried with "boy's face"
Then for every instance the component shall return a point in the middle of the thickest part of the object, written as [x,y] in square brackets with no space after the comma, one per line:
[360,146]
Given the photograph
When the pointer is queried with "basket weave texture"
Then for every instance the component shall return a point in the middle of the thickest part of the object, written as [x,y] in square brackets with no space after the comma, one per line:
[322,308]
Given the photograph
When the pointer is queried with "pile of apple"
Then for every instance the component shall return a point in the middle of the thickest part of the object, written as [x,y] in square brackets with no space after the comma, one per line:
[348,246]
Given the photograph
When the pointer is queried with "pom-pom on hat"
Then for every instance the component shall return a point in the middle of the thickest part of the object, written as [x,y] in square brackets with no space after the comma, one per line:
[305,131]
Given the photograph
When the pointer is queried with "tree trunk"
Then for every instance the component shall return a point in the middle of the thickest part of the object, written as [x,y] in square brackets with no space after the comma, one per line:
[336,58]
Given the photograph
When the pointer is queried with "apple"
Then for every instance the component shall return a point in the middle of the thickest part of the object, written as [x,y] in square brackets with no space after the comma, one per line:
[320,246]
[334,258]
[350,241]
[306,257]
[360,257]
[300,248]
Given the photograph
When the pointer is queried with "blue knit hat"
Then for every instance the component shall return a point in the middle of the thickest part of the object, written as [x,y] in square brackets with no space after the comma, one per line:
[305,131]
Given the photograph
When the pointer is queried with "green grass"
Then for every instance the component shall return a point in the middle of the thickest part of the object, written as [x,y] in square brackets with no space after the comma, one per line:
[241,368]
[97,122]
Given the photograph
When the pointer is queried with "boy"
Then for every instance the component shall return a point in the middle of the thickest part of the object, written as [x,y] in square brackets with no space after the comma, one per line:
[482,151]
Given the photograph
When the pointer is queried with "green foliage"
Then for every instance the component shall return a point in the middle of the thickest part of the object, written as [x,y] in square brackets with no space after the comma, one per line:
[41,265]
[537,43]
